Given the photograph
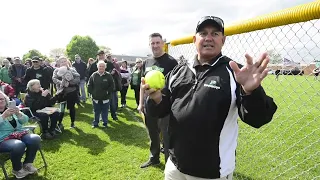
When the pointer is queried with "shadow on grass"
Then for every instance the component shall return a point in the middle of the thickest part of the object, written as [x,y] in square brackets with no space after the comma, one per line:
[240,176]
[160,166]
[128,134]
[35,177]
[125,133]
[130,98]
[81,139]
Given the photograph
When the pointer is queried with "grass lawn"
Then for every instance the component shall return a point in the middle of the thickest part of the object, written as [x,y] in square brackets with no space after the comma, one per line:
[286,148]
[86,153]
[289,146]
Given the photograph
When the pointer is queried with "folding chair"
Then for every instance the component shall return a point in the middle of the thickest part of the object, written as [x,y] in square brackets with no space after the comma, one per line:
[4,157]
[34,121]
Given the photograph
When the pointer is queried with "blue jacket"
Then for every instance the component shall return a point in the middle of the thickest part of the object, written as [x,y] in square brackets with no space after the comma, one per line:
[6,128]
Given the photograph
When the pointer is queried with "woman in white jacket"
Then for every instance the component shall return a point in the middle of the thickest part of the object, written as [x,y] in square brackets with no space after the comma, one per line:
[126,78]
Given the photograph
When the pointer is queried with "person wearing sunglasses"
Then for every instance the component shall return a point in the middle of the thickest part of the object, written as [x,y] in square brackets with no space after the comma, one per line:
[204,97]
[36,71]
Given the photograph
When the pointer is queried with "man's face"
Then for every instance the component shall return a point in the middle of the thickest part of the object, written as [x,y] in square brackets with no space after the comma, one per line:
[156,44]
[17,61]
[36,64]
[101,56]
[77,58]
[209,41]
[101,68]
[108,57]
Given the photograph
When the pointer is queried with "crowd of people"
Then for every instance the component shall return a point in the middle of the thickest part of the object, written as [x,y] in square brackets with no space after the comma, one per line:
[196,112]
[37,85]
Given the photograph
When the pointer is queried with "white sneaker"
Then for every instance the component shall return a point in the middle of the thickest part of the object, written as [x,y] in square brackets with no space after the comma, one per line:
[30,168]
[21,173]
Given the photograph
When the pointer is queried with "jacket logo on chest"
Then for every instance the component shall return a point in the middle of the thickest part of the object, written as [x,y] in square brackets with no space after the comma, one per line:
[154,68]
[212,84]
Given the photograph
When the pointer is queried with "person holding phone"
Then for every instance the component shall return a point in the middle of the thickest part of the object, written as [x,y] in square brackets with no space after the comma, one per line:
[14,139]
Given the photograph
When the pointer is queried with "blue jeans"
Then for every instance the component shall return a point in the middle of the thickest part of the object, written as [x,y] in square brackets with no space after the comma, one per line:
[100,108]
[16,148]
[114,104]
[82,90]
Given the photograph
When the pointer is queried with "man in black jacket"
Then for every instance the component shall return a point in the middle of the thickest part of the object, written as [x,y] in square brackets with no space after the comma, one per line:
[204,97]
[36,71]
[115,75]
[17,72]
[81,68]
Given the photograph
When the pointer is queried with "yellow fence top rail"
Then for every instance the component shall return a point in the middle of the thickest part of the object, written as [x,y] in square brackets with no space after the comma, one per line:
[301,13]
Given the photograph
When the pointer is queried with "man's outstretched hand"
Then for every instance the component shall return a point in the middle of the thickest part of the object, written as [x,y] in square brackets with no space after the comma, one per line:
[251,74]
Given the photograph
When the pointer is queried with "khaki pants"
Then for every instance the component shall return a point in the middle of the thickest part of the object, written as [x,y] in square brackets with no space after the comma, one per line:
[172,173]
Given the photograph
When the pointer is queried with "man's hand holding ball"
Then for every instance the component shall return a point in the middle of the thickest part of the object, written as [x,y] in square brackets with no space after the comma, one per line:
[152,84]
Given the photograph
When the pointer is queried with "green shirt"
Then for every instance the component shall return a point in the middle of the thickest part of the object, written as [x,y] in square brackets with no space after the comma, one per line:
[135,77]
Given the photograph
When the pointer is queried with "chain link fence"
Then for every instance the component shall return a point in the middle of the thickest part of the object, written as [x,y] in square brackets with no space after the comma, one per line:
[289,146]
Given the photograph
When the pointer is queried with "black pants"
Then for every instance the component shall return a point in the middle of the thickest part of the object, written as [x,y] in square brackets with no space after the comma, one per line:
[123,93]
[155,126]
[136,93]
[71,99]
[44,118]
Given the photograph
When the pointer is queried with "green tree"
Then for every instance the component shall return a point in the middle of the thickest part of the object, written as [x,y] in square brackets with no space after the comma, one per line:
[105,49]
[57,52]
[85,46]
[33,52]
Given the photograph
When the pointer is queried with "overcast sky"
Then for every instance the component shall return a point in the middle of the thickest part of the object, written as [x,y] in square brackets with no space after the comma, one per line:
[122,25]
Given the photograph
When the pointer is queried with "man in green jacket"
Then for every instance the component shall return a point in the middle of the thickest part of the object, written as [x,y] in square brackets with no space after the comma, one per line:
[100,86]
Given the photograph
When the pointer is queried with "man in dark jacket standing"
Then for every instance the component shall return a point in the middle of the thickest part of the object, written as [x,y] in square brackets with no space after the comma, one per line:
[17,72]
[115,75]
[204,97]
[100,86]
[36,71]
[81,68]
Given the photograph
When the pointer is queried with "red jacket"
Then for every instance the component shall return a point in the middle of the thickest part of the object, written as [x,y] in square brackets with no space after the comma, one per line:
[7,89]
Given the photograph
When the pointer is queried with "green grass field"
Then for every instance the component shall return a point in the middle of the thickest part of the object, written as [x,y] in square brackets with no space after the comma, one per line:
[286,148]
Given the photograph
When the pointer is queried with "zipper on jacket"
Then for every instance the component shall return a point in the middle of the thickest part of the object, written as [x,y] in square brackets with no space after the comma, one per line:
[195,85]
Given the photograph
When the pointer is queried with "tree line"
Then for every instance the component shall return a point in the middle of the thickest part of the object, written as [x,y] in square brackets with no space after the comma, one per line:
[85,46]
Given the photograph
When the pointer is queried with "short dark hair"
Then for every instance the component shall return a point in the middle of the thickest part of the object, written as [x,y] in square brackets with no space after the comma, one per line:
[155,35]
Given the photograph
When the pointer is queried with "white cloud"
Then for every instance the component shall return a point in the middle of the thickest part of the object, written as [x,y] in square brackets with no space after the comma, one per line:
[122,25]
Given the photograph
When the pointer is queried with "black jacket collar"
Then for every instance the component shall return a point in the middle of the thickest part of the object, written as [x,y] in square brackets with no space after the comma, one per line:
[197,63]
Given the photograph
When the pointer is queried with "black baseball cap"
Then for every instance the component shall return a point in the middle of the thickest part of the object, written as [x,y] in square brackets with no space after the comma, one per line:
[210,20]
[100,52]
[35,58]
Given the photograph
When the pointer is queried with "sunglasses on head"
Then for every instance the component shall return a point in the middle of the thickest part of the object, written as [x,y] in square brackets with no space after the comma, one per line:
[216,19]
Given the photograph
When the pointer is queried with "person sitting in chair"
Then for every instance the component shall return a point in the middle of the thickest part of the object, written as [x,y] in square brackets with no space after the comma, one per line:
[7,89]
[14,139]
[37,99]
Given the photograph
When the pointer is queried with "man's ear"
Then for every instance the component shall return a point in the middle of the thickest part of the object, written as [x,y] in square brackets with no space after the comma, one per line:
[224,39]
[194,38]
